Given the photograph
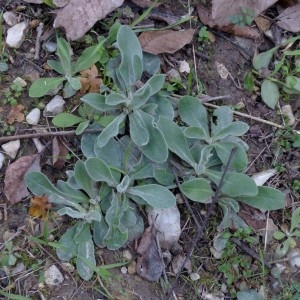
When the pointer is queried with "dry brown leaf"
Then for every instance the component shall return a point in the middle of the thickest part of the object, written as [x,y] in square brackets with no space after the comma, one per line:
[15,188]
[252,216]
[39,207]
[222,10]
[289,19]
[90,81]
[167,41]
[263,23]
[149,264]
[78,16]
[246,31]
[16,114]
[59,152]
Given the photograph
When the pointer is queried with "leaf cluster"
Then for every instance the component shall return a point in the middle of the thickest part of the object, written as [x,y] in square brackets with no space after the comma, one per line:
[139,153]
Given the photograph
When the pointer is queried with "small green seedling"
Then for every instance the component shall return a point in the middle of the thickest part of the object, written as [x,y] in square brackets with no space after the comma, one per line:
[12,94]
[203,35]
[8,256]
[287,237]
[284,79]
[67,68]
[243,19]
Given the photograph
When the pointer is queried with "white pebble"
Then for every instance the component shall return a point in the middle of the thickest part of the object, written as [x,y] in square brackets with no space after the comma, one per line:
[2,159]
[53,276]
[11,148]
[20,81]
[127,255]
[67,267]
[10,18]
[194,276]
[16,35]
[33,117]
[294,257]
[123,270]
[55,106]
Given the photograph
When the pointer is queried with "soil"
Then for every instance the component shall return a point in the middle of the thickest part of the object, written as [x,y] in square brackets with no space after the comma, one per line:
[264,153]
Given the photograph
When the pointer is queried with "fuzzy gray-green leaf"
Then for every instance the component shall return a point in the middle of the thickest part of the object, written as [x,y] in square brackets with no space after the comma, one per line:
[197,189]
[111,130]
[138,128]
[234,184]
[267,199]
[193,113]
[155,195]
[42,86]
[175,139]
[131,67]
[99,171]
[97,101]
[83,179]
[270,93]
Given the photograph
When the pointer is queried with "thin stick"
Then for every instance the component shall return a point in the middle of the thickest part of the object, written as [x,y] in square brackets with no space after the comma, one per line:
[39,31]
[45,134]
[204,224]
[252,118]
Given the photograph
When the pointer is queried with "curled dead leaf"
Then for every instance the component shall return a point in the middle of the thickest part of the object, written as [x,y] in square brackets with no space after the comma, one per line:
[15,188]
[39,207]
[16,114]
[149,264]
[90,81]
[166,41]
[59,152]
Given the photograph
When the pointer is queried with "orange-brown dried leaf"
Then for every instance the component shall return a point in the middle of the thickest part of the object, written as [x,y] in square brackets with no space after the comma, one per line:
[39,207]
[90,81]
[16,114]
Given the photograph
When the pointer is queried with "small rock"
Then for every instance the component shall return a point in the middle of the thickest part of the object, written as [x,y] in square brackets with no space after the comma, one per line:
[167,223]
[20,267]
[20,81]
[127,255]
[55,106]
[33,117]
[294,257]
[11,148]
[132,268]
[216,254]
[288,112]
[194,276]
[67,267]
[10,18]
[53,276]
[16,35]
[177,263]
[123,270]
[49,46]
[184,66]
[51,238]
[2,159]
[224,288]
[167,257]
[173,74]
[7,235]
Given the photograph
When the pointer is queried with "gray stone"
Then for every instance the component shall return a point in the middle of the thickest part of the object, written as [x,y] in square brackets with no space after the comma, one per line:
[20,81]
[16,35]
[11,148]
[49,46]
[2,159]
[33,117]
[55,106]
[53,276]
[10,18]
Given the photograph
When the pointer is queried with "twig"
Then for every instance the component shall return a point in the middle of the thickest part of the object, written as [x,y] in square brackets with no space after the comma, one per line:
[249,251]
[253,118]
[204,224]
[39,31]
[45,134]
